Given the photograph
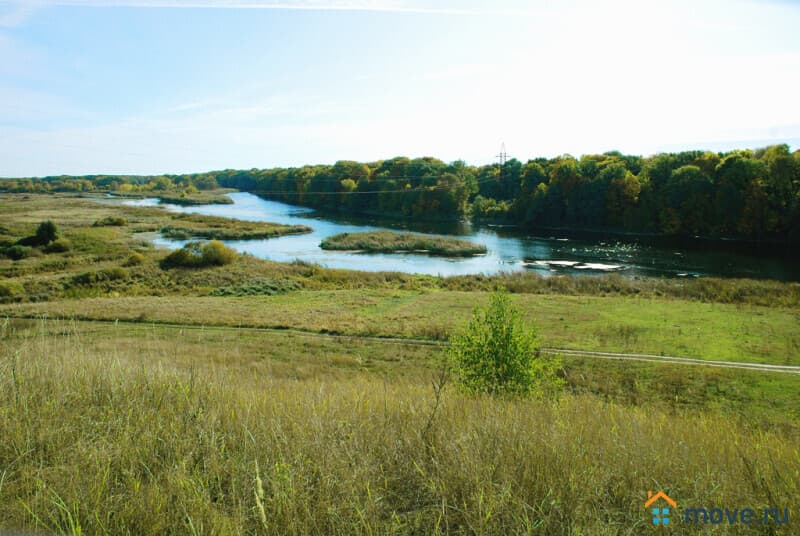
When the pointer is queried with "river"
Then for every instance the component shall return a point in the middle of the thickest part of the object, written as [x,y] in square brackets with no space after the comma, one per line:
[509,248]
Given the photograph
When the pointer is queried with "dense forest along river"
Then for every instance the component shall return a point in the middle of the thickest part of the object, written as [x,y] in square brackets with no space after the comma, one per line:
[509,248]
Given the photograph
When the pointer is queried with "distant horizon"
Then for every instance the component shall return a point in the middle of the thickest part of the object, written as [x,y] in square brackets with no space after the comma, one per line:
[753,145]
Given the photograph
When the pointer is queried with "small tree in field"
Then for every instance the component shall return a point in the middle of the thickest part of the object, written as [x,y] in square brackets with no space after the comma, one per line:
[46,233]
[497,353]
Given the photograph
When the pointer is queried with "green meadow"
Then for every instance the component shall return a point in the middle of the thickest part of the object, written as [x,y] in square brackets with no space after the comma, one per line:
[617,324]
[267,398]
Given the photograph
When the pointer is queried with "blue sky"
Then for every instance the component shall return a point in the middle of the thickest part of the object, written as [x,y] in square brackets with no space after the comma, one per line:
[168,86]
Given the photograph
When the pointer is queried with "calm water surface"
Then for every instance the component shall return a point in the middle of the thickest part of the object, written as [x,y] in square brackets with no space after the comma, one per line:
[509,249]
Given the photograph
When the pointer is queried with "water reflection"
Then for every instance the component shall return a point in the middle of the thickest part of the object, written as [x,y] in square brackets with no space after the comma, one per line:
[509,249]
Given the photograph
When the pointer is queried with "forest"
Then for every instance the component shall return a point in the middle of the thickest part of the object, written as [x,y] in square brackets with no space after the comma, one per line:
[745,194]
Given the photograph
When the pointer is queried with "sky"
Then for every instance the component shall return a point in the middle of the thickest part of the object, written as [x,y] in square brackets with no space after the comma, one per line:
[174,86]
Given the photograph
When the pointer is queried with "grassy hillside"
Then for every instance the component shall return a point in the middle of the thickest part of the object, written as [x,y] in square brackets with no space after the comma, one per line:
[102,435]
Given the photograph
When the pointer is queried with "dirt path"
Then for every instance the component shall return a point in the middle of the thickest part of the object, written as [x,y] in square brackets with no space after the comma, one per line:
[565,352]
[787,369]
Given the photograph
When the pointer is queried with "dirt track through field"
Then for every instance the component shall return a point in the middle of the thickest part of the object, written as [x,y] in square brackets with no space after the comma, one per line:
[565,352]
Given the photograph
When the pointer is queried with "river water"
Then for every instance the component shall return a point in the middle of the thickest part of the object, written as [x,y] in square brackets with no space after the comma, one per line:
[509,248]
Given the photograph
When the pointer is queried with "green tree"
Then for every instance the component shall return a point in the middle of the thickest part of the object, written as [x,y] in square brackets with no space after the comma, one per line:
[160,183]
[205,182]
[46,233]
[622,196]
[497,353]
[689,192]
[734,174]
[532,176]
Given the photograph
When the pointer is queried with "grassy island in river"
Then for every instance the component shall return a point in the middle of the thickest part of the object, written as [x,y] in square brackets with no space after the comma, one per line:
[186,226]
[389,242]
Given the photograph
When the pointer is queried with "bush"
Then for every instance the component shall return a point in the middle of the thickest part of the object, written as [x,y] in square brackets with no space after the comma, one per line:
[263,286]
[18,252]
[216,253]
[9,289]
[135,259]
[117,221]
[189,256]
[114,273]
[200,254]
[497,353]
[46,233]
[59,245]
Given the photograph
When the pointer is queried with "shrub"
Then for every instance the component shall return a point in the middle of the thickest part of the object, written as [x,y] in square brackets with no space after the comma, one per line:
[497,353]
[17,252]
[218,254]
[176,233]
[114,273]
[189,256]
[9,289]
[46,233]
[200,254]
[263,286]
[117,221]
[135,259]
[59,245]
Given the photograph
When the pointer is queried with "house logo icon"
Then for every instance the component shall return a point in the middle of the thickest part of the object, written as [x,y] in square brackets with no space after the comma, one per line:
[660,514]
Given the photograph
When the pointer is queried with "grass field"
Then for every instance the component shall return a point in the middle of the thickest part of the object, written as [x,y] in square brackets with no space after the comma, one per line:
[114,422]
[120,429]
[677,328]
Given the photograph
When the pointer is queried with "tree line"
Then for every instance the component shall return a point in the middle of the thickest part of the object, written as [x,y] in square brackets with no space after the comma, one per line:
[111,183]
[753,194]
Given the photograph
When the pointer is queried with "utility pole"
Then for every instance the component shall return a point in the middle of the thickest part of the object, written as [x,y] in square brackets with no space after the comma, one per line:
[503,156]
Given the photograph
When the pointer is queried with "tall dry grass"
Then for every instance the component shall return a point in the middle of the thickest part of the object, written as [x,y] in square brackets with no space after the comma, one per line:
[123,442]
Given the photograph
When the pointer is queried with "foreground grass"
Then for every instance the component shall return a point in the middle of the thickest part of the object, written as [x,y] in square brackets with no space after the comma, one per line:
[104,437]
[768,400]
[389,242]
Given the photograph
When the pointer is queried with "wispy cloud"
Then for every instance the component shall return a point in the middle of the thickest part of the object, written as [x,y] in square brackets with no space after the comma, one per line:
[15,12]
[20,9]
